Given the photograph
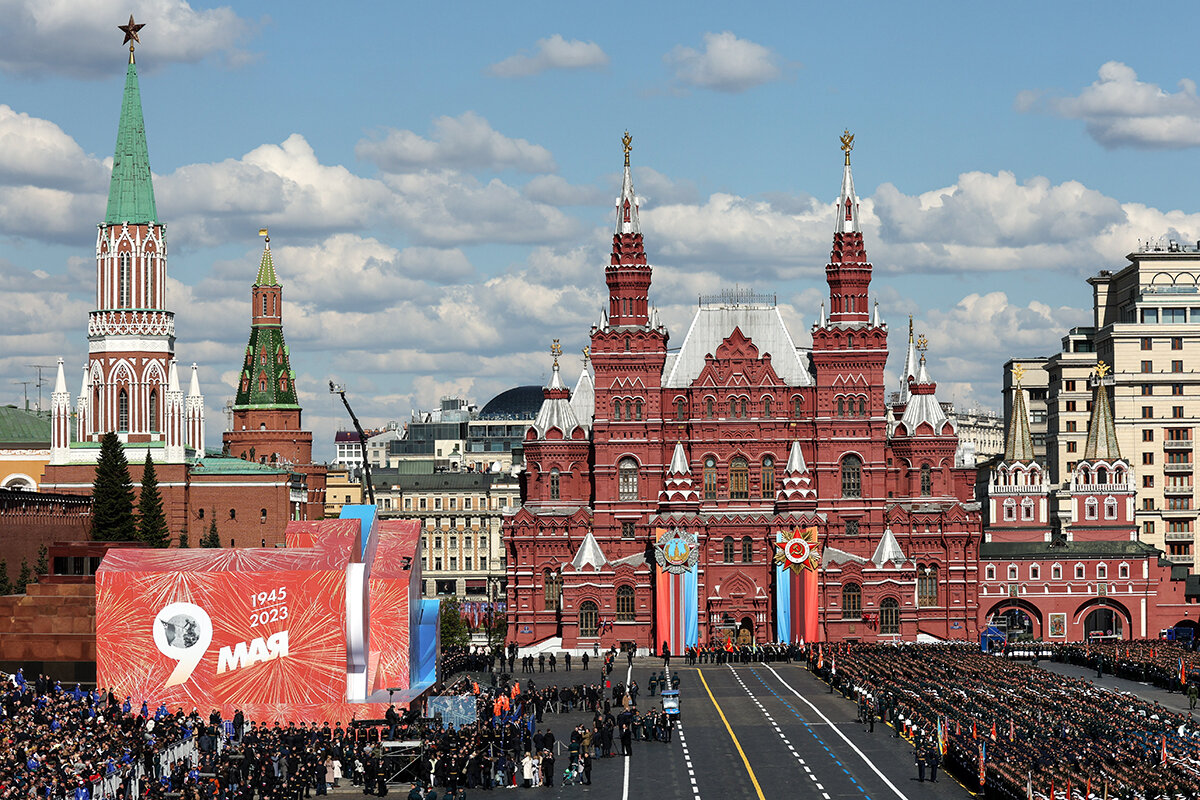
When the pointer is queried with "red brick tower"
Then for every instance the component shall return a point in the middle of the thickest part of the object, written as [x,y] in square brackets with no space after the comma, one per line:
[266,413]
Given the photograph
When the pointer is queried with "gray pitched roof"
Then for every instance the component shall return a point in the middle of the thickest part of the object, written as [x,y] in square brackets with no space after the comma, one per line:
[589,553]
[761,324]
[888,550]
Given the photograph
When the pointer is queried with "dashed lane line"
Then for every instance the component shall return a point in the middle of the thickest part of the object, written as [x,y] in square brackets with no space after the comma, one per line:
[687,756]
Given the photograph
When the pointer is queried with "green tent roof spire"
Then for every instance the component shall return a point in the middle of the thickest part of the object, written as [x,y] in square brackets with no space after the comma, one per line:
[131,193]
[1019,444]
[266,267]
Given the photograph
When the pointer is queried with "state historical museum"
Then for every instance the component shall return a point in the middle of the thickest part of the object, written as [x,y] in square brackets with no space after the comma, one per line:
[663,492]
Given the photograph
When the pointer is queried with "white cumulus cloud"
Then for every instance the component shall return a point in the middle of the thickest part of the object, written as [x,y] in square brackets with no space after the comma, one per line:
[1119,110]
[552,53]
[726,64]
[81,40]
[464,142]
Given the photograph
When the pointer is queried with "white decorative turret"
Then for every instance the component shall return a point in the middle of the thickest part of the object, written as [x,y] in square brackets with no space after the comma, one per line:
[556,411]
[83,408]
[583,398]
[797,490]
[910,363]
[173,416]
[195,414]
[678,489]
[923,406]
[60,417]
[877,318]
[821,322]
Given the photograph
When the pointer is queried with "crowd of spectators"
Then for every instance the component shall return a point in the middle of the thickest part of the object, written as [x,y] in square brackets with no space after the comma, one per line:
[1018,731]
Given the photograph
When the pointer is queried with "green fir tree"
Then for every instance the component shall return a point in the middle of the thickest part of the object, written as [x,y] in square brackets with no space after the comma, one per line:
[25,578]
[152,523]
[112,494]
[42,567]
[6,586]
[183,537]
[213,538]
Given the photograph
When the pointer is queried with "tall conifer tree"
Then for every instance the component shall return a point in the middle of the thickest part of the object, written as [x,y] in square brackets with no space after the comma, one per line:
[112,494]
[152,524]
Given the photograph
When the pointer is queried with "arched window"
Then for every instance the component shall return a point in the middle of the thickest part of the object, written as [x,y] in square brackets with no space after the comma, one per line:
[1102,571]
[926,480]
[732,407]
[627,479]
[680,409]
[727,549]
[850,336]
[617,410]
[262,382]
[889,616]
[768,477]
[1091,508]
[745,412]
[708,408]
[766,406]
[625,612]
[589,619]
[262,356]
[710,478]
[637,409]
[851,476]
[123,278]
[553,593]
[841,407]
[739,479]
[851,601]
[233,513]
[1102,475]
[1110,508]
[123,411]
[1010,510]
[628,409]
[626,344]
[262,515]
[151,300]
[264,297]
[1027,508]
[747,550]
[152,421]
[927,585]
[862,407]
[796,403]
[554,484]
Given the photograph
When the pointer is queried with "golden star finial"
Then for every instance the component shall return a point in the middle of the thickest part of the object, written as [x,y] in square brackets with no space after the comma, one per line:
[627,141]
[847,143]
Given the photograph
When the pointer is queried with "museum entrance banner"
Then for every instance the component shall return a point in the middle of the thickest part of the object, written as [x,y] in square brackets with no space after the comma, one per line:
[677,554]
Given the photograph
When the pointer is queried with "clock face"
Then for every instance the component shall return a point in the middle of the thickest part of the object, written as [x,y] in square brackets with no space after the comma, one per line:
[797,551]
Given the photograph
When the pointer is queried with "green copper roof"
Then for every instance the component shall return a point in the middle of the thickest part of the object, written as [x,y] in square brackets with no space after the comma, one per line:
[266,269]
[1019,444]
[226,465]
[267,380]
[1102,432]
[131,193]
[21,427]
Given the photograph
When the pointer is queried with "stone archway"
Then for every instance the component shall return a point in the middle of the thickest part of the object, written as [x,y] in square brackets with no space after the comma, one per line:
[1031,612]
[745,634]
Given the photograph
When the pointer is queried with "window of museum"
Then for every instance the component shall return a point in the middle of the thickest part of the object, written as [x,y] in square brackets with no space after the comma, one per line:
[1123,572]
[1012,572]
[710,478]
[589,616]
[552,586]
[554,485]
[747,550]
[637,409]
[851,476]
[1035,572]
[1056,572]
[1010,510]
[926,480]
[708,408]
[796,403]
[625,612]
[1091,508]
[1101,571]
[627,531]
[739,479]
[1110,508]
[1079,572]
[617,410]
[989,573]
[681,409]
[767,490]
[1027,509]
[766,407]
[851,601]
[889,616]
[627,479]
[927,586]
[851,527]
[727,549]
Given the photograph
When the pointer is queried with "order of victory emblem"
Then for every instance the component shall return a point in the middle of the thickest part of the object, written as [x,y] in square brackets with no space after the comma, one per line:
[797,549]
[676,551]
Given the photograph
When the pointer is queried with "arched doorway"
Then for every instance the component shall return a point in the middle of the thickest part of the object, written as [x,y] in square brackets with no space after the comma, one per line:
[1104,621]
[1015,621]
[746,631]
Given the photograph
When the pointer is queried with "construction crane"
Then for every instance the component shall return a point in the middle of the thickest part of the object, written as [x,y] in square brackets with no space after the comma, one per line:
[340,391]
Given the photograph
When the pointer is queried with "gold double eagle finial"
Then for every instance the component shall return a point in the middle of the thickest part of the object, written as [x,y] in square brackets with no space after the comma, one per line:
[556,351]
[1102,369]
[1018,372]
[922,343]
[627,141]
[847,144]
[131,34]
[587,353]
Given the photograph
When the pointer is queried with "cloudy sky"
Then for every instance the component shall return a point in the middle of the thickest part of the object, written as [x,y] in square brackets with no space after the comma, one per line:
[438,178]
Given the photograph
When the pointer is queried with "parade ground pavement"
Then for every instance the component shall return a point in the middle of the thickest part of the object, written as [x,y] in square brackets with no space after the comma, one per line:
[756,731]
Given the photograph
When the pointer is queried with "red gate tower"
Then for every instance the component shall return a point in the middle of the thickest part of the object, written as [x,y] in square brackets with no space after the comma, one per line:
[131,383]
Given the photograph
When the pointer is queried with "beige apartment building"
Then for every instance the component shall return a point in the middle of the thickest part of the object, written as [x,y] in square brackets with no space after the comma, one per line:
[460,513]
[1146,324]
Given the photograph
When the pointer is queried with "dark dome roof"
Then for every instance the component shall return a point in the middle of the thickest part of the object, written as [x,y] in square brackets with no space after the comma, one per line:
[520,402]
